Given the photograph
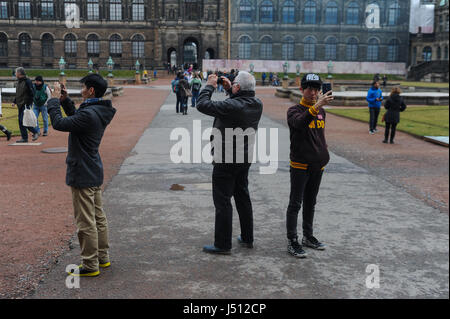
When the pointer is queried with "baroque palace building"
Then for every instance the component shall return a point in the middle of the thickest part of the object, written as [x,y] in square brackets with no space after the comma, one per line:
[37,33]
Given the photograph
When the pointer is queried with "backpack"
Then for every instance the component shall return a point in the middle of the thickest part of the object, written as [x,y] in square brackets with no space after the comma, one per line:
[40,96]
[175,86]
[196,86]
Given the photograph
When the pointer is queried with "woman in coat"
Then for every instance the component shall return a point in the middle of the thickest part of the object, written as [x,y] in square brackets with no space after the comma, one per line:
[394,105]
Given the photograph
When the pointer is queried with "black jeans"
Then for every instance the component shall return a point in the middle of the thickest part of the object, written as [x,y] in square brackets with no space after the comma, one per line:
[374,113]
[304,189]
[391,127]
[179,105]
[231,180]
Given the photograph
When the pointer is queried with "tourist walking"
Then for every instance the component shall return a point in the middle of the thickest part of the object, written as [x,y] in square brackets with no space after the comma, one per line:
[394,105]
[41,96]
[374,98]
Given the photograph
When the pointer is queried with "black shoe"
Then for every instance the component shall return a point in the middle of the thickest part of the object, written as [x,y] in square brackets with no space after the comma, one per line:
[295,249]
[392,142]
[35,136]
[8,135]
[82,272]
[312,242]
[215,250]
[243,243]
[45,134]
[385,141]
[22,141]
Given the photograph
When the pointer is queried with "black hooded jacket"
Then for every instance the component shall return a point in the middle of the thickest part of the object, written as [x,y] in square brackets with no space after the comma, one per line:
[86,126]
[394,105]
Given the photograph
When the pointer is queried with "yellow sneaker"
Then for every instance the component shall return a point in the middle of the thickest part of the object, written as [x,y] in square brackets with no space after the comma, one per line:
[81,272]
[104,265]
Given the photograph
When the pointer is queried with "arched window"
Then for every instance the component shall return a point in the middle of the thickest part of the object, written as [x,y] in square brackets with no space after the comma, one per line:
[3,45]
[244,47]
[24,45]
[266,12]
[372,50]
[393,50]
[191,9]
[24,9]
[427,54]
[266,48]
[47,45]
[330,48]
[115,46]
[245,11]
[288,48]
[137,46]
[331,13]
[138,10]
[352,49]
[309,49]
[394,14]
[353,13]
[92,10]
[93,45]
[310,12]
[70,45]
[115,10]
[289,12]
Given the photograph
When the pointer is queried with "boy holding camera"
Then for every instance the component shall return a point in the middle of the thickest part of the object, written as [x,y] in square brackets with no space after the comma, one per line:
[308,157]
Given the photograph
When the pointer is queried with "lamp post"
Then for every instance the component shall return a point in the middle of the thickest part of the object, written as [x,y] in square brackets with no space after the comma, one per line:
[285,77]
[110,65]
[62,75]
[330,69]
[137,76]
[297,78]
[90,64]
[252,67]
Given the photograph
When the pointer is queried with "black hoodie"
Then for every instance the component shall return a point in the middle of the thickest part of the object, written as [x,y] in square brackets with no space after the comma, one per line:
[86,126]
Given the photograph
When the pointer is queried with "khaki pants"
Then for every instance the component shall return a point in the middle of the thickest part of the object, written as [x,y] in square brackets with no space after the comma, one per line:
[92,226]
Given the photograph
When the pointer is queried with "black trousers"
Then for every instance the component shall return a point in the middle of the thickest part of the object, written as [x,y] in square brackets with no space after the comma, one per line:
[392,127]
[231,180]
[304,189]
[374,113]
[179,103]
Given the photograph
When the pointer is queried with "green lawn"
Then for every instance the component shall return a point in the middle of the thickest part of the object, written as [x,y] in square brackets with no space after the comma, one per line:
[419,121]
[425,84]
[10,119]
[31,73]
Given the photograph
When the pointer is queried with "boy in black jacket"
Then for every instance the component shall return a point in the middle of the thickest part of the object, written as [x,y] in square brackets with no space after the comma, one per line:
[308,156]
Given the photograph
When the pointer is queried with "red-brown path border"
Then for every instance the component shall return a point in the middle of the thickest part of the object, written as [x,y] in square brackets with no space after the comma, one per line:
[419,167]
[36,215]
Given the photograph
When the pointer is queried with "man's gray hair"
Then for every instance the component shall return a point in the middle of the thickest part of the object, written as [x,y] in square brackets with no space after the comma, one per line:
[20,70]
[246,81]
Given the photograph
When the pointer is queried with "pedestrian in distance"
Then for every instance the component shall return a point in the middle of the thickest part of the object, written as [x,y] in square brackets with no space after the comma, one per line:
[263,78]
[384,81]
[86,126]
[374,98]
[41,96]
[24,99]
[394,105]
[231,158]
[196,85]
[183,90]
[308,157]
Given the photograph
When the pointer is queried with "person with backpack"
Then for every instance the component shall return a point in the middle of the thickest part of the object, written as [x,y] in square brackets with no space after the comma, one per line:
[196,85]
[176,90]
[41,96]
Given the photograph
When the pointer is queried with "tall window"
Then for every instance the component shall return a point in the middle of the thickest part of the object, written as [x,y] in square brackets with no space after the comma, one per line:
[394,14]
[289,12]
[266,12]
[392,50]
[439,53]
[137,46]
[427,54]
[245,11]
[93,10]
[288,48]
[353,13]
[446,53]
[24,10]
[372,50]
[3,10]
[309,49]
[352,49]
[115,10]
[47,10]
[244,47]
[330,48]
[266,48]
[70,45]
[138,10]
[3,45]
[331,13]
[47,45]
[93,45]
[115,45]
[191,9]
[310,12]
[446,23]
[24,45]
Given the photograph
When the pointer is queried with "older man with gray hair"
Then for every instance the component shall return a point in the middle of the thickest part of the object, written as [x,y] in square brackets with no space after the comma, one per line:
[240,114]
[24,97]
